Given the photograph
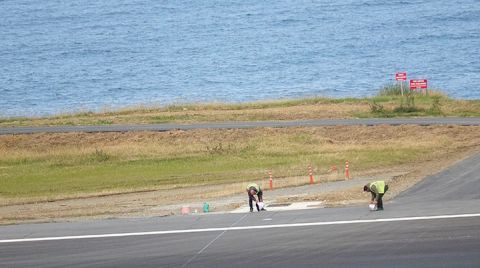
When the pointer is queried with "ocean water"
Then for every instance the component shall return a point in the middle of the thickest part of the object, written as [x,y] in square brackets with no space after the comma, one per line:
[68,56]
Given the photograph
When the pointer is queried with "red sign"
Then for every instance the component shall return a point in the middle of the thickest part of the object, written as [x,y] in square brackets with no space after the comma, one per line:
[418,83]
[401,76]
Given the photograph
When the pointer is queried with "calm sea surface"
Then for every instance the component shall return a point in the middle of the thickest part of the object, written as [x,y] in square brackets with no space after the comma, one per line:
[69,56]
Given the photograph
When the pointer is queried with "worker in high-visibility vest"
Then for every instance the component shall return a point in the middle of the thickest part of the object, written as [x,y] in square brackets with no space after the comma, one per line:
[377,189]
[252,190]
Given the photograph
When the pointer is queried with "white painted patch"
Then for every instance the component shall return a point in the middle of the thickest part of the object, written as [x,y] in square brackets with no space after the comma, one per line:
[267,219]
[292,206]
[240,228]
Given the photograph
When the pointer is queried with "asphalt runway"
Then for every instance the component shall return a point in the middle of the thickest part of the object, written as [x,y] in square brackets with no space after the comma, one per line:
[427,121]
[434,224]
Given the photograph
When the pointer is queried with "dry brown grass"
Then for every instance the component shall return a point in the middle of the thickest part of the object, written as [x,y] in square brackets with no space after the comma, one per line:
[147,116]
[275,140]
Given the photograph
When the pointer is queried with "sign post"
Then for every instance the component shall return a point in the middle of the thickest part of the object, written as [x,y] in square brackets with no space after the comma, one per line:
[419,83]
[401,77]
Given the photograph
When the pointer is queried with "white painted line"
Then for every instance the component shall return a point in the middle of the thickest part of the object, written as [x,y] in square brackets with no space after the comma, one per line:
[222,229]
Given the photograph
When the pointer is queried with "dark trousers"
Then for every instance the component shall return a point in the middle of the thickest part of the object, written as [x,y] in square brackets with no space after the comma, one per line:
[251,198]
[380,201]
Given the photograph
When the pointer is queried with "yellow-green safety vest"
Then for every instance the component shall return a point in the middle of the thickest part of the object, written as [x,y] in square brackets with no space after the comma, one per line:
[379,185]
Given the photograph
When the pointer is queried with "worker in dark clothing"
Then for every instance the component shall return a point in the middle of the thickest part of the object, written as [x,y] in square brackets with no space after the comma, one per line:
[252,190]
[377,189]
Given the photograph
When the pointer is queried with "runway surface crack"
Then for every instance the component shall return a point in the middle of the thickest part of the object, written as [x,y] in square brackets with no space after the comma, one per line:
[211,242]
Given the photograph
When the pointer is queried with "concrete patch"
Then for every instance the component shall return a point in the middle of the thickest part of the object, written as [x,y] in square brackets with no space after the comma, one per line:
[282,207]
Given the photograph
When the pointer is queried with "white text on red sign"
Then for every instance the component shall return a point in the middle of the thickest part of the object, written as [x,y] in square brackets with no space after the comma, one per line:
[418,83]
[401,76]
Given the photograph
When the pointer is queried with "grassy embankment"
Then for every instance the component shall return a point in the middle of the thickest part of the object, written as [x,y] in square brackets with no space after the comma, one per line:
[388,103]
[41,167]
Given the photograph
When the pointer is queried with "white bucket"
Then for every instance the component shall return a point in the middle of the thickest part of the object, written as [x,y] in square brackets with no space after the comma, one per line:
[372,207]
[261,205]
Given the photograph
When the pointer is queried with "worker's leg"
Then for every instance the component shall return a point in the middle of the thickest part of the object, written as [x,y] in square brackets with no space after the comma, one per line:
[250,202]
[380,202]
[260,199]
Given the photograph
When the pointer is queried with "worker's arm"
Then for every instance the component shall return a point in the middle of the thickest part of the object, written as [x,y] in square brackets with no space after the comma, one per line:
[374,191]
